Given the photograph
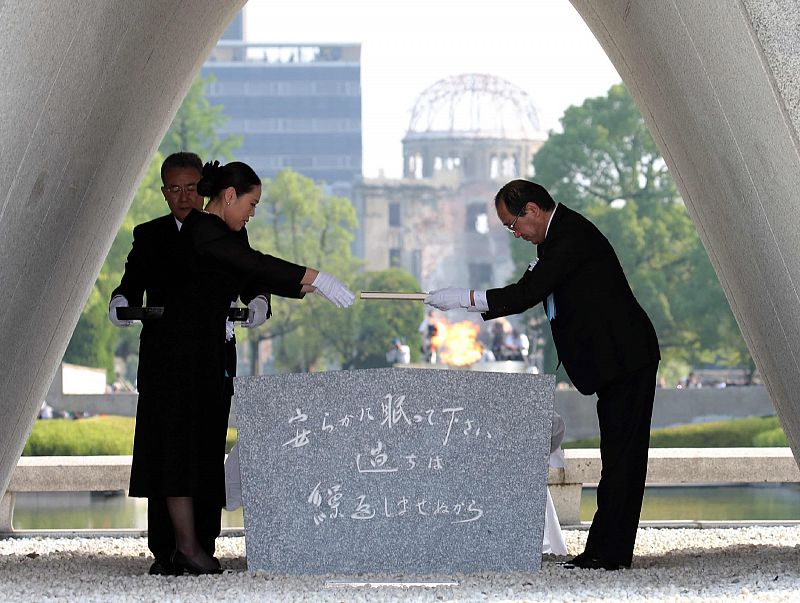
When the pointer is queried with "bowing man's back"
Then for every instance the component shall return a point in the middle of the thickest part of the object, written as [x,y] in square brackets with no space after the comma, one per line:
[599,329]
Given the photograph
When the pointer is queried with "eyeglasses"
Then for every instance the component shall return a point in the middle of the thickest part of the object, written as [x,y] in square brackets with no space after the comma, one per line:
[511,226]
[175,189]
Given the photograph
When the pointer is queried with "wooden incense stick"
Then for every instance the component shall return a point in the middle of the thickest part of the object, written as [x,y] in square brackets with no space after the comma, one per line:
[392,295]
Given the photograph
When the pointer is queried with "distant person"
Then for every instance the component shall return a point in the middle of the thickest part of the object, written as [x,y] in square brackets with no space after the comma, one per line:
[399,353]
[604,339]
[499,338]
[428,329]
[515,346]
[46,411]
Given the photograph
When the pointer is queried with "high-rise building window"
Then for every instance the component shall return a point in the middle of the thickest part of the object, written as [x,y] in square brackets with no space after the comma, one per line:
[395,257]
[293,105]
[394,214]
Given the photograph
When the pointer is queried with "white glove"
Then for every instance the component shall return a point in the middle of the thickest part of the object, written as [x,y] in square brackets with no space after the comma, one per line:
[229,328]
[118,301]
[449,298]
[259,307]
[333,290]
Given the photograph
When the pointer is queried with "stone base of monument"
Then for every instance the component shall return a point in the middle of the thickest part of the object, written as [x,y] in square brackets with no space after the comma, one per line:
[392,583]
[494,366]
[394,472]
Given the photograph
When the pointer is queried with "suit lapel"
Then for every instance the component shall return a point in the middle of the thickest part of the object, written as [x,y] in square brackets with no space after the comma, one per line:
[557,218]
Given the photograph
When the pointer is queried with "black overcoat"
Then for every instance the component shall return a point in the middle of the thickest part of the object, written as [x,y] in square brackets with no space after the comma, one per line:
[600,331]
[183,406]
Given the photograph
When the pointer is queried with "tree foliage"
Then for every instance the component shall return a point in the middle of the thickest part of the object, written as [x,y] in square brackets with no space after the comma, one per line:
[606,165]
[297,221]
[361,337]
[196,124]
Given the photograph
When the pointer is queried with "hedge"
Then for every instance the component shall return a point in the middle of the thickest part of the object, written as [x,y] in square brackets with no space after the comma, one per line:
[101,435]
[112,435]
[750,431]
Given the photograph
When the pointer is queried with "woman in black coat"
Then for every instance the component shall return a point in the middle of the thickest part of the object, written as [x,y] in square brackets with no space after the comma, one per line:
[181,423]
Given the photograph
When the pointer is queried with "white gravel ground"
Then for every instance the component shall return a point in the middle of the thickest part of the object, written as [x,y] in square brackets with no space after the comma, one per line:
[739,564]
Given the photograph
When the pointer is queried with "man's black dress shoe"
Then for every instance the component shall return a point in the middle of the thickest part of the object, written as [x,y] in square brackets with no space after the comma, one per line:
[162,567]
[583,561]
[182,563]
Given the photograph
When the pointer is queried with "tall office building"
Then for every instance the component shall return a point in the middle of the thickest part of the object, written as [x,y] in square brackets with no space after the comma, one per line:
[294,105]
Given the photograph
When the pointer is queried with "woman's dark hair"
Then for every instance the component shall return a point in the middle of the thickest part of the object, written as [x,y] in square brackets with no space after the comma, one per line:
[218,177]
[517,193]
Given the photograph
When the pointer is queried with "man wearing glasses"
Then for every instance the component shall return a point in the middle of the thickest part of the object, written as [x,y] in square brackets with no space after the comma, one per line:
[153,265]
[604,339]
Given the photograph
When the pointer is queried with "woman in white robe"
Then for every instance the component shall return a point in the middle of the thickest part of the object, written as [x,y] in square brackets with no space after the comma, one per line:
[553,539]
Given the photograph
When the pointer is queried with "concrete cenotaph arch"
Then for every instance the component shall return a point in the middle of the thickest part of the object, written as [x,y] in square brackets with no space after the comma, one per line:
[88,89]
[90,86]
[717,84]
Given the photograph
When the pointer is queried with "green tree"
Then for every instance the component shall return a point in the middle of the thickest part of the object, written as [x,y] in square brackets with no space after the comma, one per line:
[606,165]
[92,343]
[361,336]
[196,124]
[297,221]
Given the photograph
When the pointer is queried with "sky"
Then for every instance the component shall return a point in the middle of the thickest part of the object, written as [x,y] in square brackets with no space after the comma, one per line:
[542,46]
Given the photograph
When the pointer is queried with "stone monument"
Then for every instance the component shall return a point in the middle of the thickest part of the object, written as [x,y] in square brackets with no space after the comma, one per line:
[389,471]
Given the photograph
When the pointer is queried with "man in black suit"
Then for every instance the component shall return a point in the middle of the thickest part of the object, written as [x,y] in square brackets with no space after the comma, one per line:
[153,266]
[604,339]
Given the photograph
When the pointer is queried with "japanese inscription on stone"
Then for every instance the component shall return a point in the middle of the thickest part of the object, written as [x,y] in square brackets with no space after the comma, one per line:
[394,470]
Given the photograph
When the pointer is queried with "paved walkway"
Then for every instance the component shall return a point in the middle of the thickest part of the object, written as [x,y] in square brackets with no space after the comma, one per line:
[736,564]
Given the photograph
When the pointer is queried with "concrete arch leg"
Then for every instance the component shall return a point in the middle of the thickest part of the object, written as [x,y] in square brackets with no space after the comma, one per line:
[717,83]
[88,89]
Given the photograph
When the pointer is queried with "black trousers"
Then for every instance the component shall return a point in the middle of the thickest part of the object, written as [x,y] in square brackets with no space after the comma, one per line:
[161,536]
[624,409]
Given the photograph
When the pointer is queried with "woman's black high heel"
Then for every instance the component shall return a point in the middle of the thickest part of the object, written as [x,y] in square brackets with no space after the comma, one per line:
[182,563]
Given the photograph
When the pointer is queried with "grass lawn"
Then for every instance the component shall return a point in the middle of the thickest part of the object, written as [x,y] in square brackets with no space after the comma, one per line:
[750,431]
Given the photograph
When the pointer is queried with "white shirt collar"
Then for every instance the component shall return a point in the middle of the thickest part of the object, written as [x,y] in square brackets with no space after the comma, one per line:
[553,213]
[179,223]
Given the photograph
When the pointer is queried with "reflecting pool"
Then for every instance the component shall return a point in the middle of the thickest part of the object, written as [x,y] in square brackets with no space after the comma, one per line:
[84,510]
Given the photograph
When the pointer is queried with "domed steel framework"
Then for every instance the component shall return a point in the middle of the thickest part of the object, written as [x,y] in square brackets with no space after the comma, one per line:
[480,126]
[478,104]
